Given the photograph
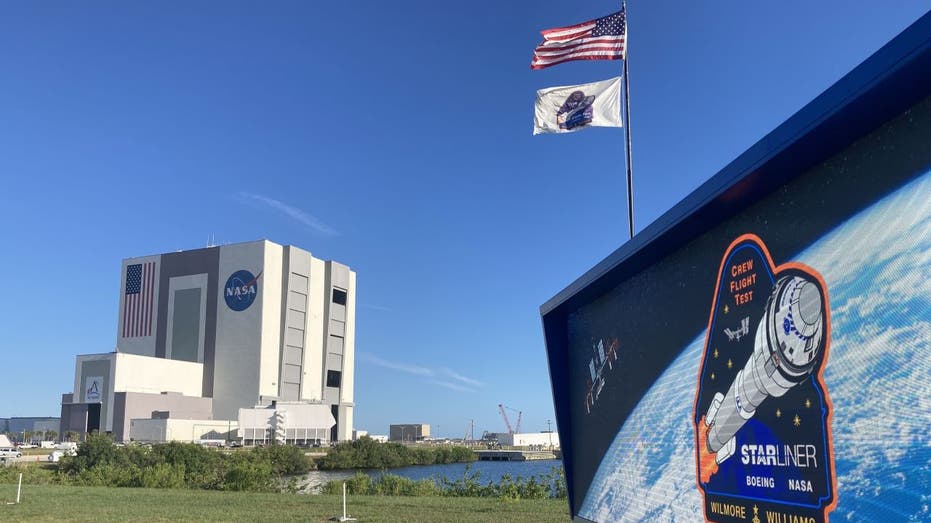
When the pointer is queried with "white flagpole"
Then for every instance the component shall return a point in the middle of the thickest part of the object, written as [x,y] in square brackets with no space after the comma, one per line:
[630,175]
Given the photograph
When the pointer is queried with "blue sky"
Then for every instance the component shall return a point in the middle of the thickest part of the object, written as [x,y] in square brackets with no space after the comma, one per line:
[393,137]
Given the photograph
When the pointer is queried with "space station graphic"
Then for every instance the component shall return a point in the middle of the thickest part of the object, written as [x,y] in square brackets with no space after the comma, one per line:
[762,414]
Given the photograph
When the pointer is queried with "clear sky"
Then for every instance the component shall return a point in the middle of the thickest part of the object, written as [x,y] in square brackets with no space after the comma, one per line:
[394,137]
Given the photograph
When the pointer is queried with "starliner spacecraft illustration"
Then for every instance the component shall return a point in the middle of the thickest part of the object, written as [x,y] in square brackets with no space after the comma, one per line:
[789,340]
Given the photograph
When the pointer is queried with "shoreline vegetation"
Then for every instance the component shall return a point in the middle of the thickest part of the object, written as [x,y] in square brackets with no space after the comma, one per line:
[276,468]
[551,485]
[366,453]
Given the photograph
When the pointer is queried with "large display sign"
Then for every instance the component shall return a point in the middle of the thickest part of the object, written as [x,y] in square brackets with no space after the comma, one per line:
[765,356]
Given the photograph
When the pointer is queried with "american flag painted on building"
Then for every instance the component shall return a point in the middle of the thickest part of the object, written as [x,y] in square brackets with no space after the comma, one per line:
[139,300]
[603,38]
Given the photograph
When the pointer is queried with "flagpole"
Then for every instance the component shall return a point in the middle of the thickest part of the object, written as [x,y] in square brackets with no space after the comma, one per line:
[630,175]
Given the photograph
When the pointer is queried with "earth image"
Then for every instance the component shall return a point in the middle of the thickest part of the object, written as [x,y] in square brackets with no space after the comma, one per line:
[877,266]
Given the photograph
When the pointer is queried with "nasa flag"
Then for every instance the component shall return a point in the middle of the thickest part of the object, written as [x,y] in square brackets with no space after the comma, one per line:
[571,108]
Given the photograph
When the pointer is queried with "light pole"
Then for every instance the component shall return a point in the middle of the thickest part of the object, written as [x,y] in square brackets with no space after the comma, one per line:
[549,430]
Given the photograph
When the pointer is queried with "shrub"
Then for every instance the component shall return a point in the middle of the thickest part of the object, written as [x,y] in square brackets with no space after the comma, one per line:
[162,475]
[177,465]
[32,475]
[97,450]
[285,460]
[358,484]
[467,486]
[244,475]
[367,453]
[108,475]
[556,480]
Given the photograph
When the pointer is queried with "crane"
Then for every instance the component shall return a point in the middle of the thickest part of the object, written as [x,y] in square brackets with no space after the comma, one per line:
[507,422]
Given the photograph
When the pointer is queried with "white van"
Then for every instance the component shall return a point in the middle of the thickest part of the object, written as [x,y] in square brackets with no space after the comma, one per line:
[56,455]
[10,452]
[67,445]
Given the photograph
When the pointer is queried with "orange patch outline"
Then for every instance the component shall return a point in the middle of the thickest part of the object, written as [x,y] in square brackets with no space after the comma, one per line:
[819,377]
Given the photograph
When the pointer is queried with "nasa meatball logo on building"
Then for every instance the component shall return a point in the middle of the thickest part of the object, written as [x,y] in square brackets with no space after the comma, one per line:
[762,412]
[241,289]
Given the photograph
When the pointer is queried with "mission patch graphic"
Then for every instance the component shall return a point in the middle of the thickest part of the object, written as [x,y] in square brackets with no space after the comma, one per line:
[762,413]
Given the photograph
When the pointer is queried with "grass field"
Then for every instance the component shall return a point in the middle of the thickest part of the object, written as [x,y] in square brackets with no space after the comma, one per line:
[82,504]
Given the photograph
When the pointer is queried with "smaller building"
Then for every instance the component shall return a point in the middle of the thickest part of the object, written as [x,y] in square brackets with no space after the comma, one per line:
[409,432]
[134,406]
[36,426]
[110,389]
[529,440]
[165,429]
[296,423]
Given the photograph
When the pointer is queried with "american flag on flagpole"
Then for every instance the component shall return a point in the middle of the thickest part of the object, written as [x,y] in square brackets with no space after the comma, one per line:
[138,300]
[603,38]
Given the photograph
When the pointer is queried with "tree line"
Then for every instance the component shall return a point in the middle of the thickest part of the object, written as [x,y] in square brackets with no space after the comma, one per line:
[366,453]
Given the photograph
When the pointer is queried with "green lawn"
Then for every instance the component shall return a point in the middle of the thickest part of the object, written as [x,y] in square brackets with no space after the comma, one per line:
[84,504]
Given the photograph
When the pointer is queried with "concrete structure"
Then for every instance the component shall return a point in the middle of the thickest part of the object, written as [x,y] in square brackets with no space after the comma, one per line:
[287,422]
[240,326]
[514,455]
[130,406]
[409,432]
[542,440]
[169,429]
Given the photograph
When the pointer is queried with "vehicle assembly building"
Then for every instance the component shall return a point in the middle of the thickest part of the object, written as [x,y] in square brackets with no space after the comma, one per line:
[204,333]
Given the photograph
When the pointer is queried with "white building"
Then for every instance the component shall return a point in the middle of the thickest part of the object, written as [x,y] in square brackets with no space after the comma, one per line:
[161,430]
[286,422]
[544,440]
[206,332]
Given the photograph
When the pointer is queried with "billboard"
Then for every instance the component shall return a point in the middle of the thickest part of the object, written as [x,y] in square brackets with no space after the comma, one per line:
[762,351]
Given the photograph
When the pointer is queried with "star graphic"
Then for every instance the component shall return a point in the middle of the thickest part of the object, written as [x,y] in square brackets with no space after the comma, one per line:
[807,403]
[730,363]
[778,413]
[797,421]
[715,353]
[726,310]
[712,376]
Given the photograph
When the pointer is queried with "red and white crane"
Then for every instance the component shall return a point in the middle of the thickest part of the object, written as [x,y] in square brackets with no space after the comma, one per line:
[507,422]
